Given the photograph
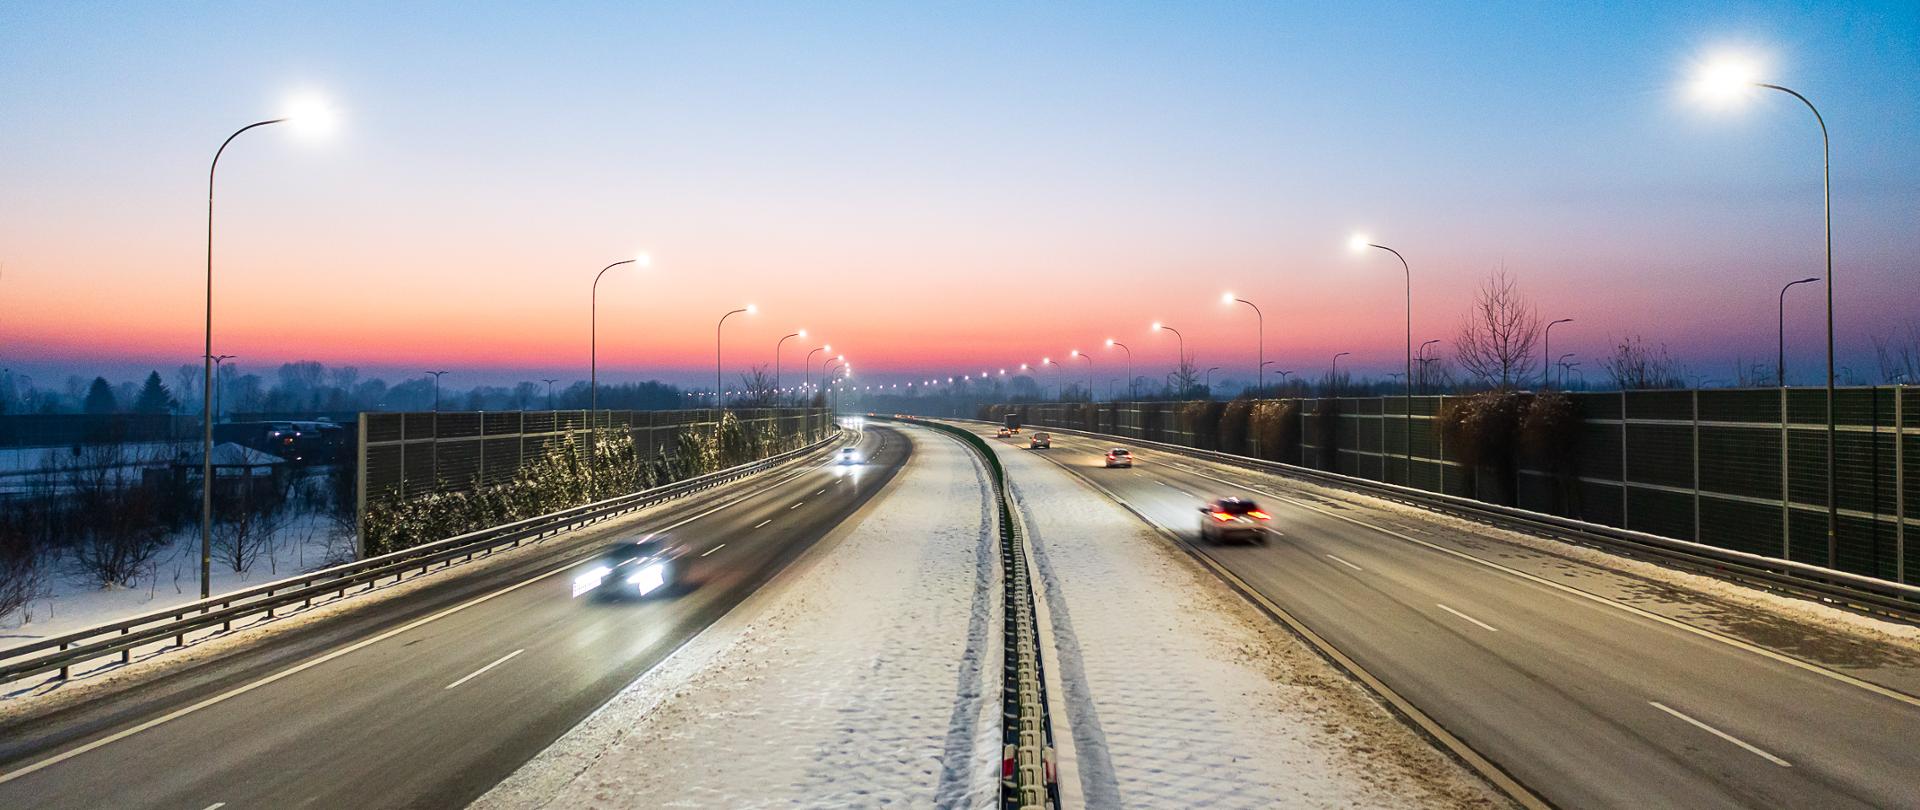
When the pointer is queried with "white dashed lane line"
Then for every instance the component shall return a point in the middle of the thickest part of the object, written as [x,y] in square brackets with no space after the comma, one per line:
[1483,625]
[1722,735]
[482,671]
[796,505]
[763,523]
[1345,563]
[712,550]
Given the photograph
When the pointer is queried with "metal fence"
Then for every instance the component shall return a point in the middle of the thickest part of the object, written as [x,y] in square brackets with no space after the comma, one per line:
[1741,469]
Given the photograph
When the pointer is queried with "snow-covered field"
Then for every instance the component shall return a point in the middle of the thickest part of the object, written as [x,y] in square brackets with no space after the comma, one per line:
[866,674]
[72,602]
[1178,693]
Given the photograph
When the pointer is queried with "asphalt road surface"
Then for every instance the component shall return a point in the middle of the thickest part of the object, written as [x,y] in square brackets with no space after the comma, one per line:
[432,698]
[1545,665]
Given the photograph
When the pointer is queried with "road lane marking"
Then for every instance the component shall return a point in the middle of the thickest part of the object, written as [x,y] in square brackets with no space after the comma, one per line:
[796,505]
[823,491]
[763,523]
[482,671]
[1752,749]
[216,806]
[1345,563]
[714,549]
[1488,627]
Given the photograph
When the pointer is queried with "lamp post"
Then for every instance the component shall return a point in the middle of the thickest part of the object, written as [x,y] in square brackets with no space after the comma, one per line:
[1048,361]
[1359,243]
[806,366]
[719,403]
[1564,365]
[593,332]
[307,115]
[1083,355]
[1727,80]
[1426,363]
[1131,394]
[1782,366]
[1260,322]
[1333,377]
[1546,353]
[776,358]
[1182,365]
[1210,371]
[550,383]
[436,388]
[217,391]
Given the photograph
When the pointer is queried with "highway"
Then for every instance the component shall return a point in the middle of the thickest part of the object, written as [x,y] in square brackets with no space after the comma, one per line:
[429,700]
[1542,663]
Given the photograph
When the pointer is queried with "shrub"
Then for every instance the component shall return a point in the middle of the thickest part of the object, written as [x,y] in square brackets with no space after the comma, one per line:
[1480,432]
[1233,425]
[1200,420]
[1275,424]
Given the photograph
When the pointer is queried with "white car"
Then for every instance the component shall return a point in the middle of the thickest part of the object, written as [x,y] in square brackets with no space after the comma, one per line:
[1234,519]
[1119,457]
[849,455]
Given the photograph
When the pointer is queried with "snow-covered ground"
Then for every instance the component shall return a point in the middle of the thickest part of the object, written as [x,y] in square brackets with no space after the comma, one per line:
[1178,693]
[72,601]
[866,674]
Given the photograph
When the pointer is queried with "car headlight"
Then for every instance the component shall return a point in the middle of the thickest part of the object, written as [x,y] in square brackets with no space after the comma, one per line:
[649,579]
[590,579]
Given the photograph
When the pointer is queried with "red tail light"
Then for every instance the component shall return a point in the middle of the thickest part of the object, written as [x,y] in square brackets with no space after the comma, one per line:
[1260,515]
[1222,517]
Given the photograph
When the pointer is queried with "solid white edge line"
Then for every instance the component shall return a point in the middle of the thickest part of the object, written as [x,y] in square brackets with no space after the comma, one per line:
[1488,627]
[763,523]
[1722,735]
[714,549]
[1345,563]
[1643,613]
[314,662]
[481,671]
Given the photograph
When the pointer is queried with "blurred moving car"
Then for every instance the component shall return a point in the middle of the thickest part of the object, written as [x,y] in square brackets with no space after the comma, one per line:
[1004,432]
[1119,457]
[631,568]
[849,455]
[1233,518]
[1040,441]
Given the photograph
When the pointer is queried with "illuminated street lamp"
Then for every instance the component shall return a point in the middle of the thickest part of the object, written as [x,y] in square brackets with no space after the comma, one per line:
[1260,322]
[308,116]
[1360,243]
[593,331]
[1083,355]
[776,357]
[1182,365]
[1131,395]
[806,366]
[719,403]
[1729,80]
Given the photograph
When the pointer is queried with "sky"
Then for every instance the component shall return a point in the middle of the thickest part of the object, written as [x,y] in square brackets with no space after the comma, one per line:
[935,188]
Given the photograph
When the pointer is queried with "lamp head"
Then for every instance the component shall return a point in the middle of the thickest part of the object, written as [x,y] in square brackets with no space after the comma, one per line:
[311,116]
[1358,242]
[1157,327]
[1725,79]
[801,333]
[752,310]
[1109,343]
[641,259]
[1226,298]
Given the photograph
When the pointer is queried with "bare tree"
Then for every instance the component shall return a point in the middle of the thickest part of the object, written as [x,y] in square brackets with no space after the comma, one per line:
[1899,356]
[1634,365]
[1498,337]
[756,388]
[245,525]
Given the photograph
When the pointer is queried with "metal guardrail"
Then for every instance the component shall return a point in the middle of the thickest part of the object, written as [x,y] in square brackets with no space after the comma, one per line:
[1027,768]
[122,637]
[1852,590]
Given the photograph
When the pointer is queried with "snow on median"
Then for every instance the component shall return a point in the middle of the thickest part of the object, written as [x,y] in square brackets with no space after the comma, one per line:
[865,674]
[1179,693]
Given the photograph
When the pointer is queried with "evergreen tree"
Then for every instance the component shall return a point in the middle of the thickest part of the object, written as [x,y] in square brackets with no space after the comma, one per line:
[154,396]
[100,397]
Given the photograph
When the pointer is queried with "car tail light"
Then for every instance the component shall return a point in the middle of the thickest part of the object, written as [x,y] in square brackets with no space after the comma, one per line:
[1222,517]
[1260,515]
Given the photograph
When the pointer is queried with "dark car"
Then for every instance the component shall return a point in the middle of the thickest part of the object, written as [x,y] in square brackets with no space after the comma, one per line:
[1234,519]
[280,439]
[631,569]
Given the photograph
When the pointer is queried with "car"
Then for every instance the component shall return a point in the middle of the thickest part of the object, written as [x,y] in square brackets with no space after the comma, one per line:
[849,455]
[1004,432]
[631,569]
[1119,457]
[1040,441]
[1234,519]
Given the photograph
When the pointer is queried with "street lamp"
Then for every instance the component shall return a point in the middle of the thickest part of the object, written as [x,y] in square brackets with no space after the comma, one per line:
[776,357]
[1546,352]
[1782,367]
[1564,365]
[1083,355]
[806,366]
[1728,80]
[219,389]
[1426,361]
[1181,367]
[550,383]
[1333,377]
[1359,243]
[307,115]
[593,331]
[1260,322]
[436,388]
[718,402]
[1210,372]
[1131,394]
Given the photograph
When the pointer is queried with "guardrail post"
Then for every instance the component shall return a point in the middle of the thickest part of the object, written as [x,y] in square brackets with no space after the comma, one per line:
[126,655]
[65,669]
